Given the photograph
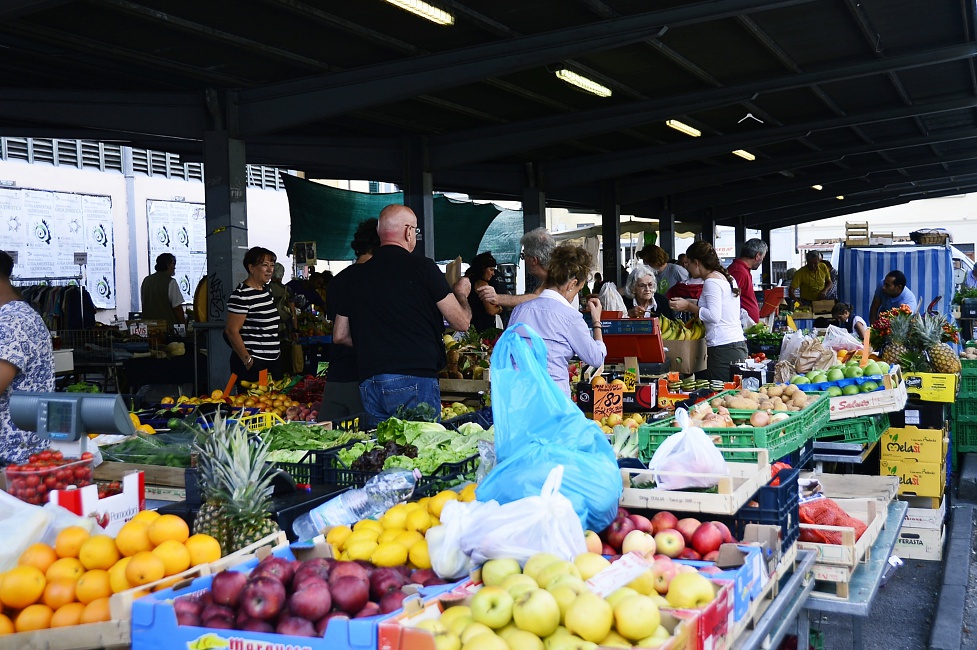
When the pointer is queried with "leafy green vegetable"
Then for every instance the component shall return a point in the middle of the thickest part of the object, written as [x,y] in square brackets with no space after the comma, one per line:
[295,436]
[347,456]
[391,430]
[163,449]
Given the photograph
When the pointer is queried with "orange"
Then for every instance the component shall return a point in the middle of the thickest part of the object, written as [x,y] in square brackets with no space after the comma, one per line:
[203,549]
[143,568]
[96,611]
[217,394]
[99,552]
[66,567]
[22,586]
[6,625]
[69,541]
[168,527]
[133,538]
[34,617]
[93,585]
[40,556]
[117,576]
[59,592]
[145,515]
[175,556]
[67,615]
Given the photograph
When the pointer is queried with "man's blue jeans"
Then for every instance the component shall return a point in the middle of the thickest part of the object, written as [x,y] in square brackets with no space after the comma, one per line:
[382,394]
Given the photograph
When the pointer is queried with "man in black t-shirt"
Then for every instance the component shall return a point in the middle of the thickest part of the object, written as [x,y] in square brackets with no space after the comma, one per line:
[395,316]
[341,395]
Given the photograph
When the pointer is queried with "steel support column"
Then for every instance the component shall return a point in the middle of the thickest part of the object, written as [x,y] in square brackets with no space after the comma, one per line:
[225,194]
[666,231]
[766,269]
[419,192]
[533,208]
[610,225]
[739,236]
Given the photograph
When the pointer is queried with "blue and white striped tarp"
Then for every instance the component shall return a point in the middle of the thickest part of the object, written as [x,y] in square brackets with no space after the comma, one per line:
[929,273]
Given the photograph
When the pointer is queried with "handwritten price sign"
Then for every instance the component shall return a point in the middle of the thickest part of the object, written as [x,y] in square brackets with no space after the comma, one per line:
[608,400]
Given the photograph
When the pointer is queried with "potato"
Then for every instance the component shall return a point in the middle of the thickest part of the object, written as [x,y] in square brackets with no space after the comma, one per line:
[775,391]
[742,404]
[717,402]
[800,400]
[780,406]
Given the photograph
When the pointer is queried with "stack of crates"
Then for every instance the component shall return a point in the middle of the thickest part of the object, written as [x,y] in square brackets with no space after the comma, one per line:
[965,409]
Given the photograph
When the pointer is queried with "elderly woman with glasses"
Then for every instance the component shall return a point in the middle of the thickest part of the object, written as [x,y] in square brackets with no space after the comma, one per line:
[640,291]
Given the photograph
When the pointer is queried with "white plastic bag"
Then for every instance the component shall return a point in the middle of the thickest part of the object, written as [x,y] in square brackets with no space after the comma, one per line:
[444,541]
[688,452]
[837,338]
[25,524]
[524,527]
[610,298]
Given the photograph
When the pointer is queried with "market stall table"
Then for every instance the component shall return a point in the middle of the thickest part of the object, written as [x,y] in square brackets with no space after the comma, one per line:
[867,577]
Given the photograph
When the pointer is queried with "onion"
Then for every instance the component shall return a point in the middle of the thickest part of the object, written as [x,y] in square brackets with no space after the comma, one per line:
[760,419]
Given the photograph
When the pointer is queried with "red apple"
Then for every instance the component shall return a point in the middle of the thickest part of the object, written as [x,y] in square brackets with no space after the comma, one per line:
[323,623]
[369,609]
[366,564]
[276,567]
[404,569]
[618,530]
[706,538]
[642,523]
[392,601]
[311,603]
[263,597]
[669,543]
[226,587]
[385,579]
[664,520]
[254,625]
[186,606]
[711,556]
[724,529]
[215,610]
[295,626]
[419,576]
[206,597]
[186,618]
[664,570]
[349,593]
[689,554]
[687,527]
[318,566]
[607,549]
[343,569]
[622,512]
[307,580]
[219,623]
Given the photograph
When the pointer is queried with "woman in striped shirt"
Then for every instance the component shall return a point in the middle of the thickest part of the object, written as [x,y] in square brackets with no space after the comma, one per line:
[252,319]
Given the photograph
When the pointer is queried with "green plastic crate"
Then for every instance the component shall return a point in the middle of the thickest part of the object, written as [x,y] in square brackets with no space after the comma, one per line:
[862,430]
[964,436]
[965,408]
[968,386]
[780,438]
[968,366]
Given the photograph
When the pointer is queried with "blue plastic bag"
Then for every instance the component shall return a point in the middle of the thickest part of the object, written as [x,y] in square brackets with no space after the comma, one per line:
[537,428]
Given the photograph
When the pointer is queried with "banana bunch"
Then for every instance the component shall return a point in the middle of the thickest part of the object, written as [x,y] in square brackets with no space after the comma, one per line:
[273,386]
[676,330]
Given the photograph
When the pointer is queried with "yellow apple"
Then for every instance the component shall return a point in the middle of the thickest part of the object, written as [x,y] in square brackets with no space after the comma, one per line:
[590,564]
[590,617]
[551,571]
[636,617]
[537,562]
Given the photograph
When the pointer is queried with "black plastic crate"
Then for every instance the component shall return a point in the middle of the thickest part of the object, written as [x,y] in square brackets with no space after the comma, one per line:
[481,417]
[445,476]
[772,350]
[776,506]
[315,466]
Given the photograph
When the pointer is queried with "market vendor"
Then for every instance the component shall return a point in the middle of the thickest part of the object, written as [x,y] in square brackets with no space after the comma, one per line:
[812,281]
[161,297]
[561,326]
[308,291]
[252,319]
[480,274]
[719,310]
[892,293]
[26,364]
[640,295]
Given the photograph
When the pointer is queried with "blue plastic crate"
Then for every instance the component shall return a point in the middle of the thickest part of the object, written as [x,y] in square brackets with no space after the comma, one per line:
[776,506]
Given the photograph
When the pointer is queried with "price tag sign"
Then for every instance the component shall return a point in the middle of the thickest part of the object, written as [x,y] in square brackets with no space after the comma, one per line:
[608,400]
[630,380]
[81,259]
[139,329]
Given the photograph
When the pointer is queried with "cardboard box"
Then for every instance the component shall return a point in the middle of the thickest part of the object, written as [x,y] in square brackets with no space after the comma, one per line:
[880,401]
[915,478]
[715,621]
[802,314]
[686,356]
[932,386]
[925,415]
[754,375]
[111,513]
[920,543]
[822,306]
[922,445]
[921,515]
[744,567]
[642,400]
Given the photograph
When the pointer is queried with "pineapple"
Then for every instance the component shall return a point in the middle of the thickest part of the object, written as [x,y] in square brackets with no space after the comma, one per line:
[929,331]
[900,325]
[235,482]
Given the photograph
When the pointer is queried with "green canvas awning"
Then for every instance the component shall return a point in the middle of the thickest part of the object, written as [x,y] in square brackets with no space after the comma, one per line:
[329,217]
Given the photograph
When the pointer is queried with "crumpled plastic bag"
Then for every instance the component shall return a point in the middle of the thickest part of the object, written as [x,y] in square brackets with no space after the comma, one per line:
[687,459]
[25,524]
[610,298]
[444,541]
[837,338]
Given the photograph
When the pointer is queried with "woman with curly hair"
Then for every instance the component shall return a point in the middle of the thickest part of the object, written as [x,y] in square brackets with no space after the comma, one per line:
[561,326]
[719,310]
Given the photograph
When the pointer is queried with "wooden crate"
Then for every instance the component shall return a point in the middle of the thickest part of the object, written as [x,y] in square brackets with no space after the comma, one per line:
[759,605]
[850,552]
[108,635]
[853,486]
[270,543]
[733,490]
[856,233]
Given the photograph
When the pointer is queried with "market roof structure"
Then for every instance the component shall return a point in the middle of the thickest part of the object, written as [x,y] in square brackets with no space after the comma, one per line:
[874,101]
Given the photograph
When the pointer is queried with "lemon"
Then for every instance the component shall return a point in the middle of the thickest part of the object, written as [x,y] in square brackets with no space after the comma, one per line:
[390,535]
[437,501]
[395,517]
[468,493]
[419,521]
[419,555]
[389,554]
[435,521]
[361,550]
[337,535]
[408,538]
[357,535]
[422,503]
[368,524]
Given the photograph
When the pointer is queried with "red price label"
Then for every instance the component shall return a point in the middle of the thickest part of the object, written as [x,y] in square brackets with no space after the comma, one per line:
[608,400]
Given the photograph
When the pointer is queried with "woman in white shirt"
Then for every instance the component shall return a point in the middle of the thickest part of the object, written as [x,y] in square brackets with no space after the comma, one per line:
[719,310]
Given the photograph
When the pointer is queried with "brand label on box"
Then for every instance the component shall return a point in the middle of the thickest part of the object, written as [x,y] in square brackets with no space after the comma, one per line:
[922,445]
[918,479]
[931,386]
[920,543]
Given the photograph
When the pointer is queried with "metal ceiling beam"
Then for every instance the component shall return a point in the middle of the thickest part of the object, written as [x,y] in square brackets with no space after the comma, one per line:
[10,9]
[382,156]
[275,107]
[495,141]
[588,169]
[637,189]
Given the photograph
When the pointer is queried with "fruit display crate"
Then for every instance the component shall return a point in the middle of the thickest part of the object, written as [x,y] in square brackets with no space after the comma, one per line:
[965,408]
[861,430]
[733,490]
[311,469]
[774,505]
[481,417]
[964,436]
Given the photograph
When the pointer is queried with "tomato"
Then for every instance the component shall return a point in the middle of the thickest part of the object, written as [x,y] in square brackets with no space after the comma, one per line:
[87,455]
[50,481]
[44,455]
[57,455]
[33,481]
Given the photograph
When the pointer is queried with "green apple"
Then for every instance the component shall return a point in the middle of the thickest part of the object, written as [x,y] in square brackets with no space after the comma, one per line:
[459,624]
[522,640]
[551,571]
[812,375]
[883,367]
[565,594]
[537,611]
[636,617]
[568,641]
[590,617]
[851,389]
[834,391]
[837,366]
[537,562]
[853,372]
[486,642]
[449,615]
[474,629]
[495,571]
[835,374]
[590,564]
[518,583]
[564,579]
[869,386]
[492,606]
[507,629]
[657,639]
[444,639]
[872,369]
[690,591]
[800,379]
[617,596]
[549,641]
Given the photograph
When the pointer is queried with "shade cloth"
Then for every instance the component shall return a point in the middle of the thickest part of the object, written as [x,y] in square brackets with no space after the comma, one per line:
[929,274]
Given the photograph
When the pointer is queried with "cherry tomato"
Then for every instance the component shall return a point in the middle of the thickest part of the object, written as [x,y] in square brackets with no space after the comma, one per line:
[44,455]
[87,455]
[57,455]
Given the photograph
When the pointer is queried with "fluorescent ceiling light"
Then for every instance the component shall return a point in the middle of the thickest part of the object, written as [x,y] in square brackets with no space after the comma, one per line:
[582,82]
[746,155]
[817,187]
[840,197]
[684,128]
[424,10]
